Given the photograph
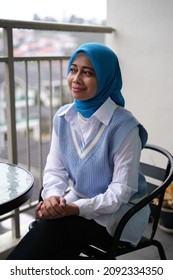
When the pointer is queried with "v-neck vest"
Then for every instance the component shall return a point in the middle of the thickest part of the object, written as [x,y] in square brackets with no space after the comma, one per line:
[90,166]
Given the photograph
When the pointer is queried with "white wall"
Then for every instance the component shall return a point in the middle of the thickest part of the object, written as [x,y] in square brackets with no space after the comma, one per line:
[143,42]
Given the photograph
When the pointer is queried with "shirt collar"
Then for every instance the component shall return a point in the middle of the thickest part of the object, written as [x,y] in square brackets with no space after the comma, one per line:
[103,114]
[64,112]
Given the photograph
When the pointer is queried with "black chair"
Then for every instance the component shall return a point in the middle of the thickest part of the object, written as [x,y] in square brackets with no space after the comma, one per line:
[156,189]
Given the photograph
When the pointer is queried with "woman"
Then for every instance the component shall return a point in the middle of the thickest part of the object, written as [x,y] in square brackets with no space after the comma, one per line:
[96,144]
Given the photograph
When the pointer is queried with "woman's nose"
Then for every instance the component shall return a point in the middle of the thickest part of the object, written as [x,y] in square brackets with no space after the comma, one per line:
[77,77]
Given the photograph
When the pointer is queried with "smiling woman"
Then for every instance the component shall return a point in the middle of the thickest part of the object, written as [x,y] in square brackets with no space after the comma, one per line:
[96,144]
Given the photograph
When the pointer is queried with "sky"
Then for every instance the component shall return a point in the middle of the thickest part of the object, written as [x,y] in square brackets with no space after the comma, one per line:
[58,9]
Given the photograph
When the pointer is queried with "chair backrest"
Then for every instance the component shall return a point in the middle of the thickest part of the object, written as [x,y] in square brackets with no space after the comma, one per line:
[158,179]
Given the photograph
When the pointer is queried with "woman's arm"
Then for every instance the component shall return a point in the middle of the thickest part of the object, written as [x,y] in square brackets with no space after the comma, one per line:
[55,179]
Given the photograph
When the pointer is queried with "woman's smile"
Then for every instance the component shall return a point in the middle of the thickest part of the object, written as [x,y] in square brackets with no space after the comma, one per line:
[77,89]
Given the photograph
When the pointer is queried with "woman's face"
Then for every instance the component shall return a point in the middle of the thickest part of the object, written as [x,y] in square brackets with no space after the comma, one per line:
[82,78]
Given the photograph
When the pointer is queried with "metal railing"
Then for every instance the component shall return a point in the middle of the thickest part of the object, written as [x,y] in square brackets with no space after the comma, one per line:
[27,120]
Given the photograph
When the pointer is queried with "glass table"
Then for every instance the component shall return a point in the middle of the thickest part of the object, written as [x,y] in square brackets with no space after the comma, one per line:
[16,185]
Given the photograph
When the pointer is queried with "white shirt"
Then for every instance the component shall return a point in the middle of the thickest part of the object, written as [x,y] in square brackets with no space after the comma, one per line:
[124,179]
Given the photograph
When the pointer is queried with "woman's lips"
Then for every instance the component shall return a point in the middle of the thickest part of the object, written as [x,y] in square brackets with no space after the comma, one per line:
[75,89]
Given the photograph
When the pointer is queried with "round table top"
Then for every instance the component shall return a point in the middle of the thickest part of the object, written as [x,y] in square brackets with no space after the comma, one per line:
[16,185]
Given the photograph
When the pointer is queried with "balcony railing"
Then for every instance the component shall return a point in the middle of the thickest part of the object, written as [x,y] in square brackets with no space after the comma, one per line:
[31,90]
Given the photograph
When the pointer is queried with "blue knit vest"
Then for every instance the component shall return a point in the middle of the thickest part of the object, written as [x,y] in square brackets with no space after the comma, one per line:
[91,167]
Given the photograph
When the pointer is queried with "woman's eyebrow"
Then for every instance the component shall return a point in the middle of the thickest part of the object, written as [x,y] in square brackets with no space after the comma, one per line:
[90,68]
[85,67]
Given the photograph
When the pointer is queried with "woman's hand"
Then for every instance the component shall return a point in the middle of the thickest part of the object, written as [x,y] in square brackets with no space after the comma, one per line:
[51,208]
[55,207]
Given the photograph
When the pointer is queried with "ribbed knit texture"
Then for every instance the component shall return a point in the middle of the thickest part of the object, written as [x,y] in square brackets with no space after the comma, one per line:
[95,168]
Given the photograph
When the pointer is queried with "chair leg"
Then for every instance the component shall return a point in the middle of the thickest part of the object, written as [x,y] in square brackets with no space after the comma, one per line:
[160,249]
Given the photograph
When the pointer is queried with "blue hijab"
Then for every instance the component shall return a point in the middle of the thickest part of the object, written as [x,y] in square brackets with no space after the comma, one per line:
[108,75]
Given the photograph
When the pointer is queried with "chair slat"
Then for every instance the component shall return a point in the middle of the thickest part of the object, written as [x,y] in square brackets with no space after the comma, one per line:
[153,171]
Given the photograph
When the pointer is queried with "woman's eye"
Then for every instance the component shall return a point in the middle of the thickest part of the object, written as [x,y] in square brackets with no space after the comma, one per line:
[88,73]
[72,70]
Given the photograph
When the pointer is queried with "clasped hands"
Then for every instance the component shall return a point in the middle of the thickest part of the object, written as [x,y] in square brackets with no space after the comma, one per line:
[55,207]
